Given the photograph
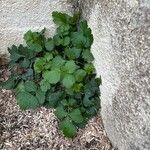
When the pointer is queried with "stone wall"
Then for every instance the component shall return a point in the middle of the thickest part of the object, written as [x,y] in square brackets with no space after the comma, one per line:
[18,16]
[122,50]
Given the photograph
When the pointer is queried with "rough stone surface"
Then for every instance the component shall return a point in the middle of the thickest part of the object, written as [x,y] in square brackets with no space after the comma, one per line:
[18,16]
[122,50]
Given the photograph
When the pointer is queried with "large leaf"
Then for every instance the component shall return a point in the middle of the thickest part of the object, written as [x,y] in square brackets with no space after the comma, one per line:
[68,128]
[52,76]
[60,112]
[76,115]
[26,100]
[30,86]
[68,81]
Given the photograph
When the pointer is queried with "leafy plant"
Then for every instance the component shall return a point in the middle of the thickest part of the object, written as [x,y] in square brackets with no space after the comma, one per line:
[57,72]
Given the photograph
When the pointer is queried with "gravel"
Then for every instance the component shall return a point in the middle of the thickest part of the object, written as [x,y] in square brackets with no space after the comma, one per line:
[38,130]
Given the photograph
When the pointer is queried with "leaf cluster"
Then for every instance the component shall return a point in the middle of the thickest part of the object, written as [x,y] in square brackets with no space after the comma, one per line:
[57,72]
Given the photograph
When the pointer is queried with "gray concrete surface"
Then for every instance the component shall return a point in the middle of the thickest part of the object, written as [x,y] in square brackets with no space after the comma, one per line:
[18,16]
[122,51]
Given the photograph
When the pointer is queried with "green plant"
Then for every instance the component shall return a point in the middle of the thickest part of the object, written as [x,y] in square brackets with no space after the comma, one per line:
[57,72]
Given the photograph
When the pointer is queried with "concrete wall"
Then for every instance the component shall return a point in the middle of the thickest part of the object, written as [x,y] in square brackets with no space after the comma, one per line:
[122,51]
[18,16]
[121,48]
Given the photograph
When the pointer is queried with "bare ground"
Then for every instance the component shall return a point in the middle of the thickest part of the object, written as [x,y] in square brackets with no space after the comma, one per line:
[38,130]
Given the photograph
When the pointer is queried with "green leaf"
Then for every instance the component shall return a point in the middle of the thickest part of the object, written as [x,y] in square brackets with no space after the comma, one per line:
[57,40]
[35,47]
[49,44]
[39,64]
[44,85]
[14,53]
[66,41]
[68,81]
[9,84]
[68,128]
[64,102]
[72,53]
[87,55]
[78,39]
[76,116]
[48,57]
[30,86]
[57,62]
[70,66]
[77,87]
[72,102]
[34,40]
[86,31]
[53,98]
[60,112]
[87,102]
[20,87]
[27,101]
[28,74]
[40,96]
[79,75]
[25,63]
[89,68]
[61,18]
[52,76]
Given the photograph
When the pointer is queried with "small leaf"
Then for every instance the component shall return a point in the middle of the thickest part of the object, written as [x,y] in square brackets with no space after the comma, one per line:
[68,128]
[60,112]
[49,44]
[79,75]
[9,84]
[52,76]
[87,55]
[64,102]
[39,64]
[89,68]
[40,96]
[77,87]
[48,56]
[68,81]
[27,101]
[66,41]
[44,85]
[73,53]
[70,66]
[76,116]
[30,86]
[72,102]
[25,63]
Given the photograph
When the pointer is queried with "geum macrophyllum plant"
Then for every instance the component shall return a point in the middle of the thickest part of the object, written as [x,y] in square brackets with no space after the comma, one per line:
[57,73]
